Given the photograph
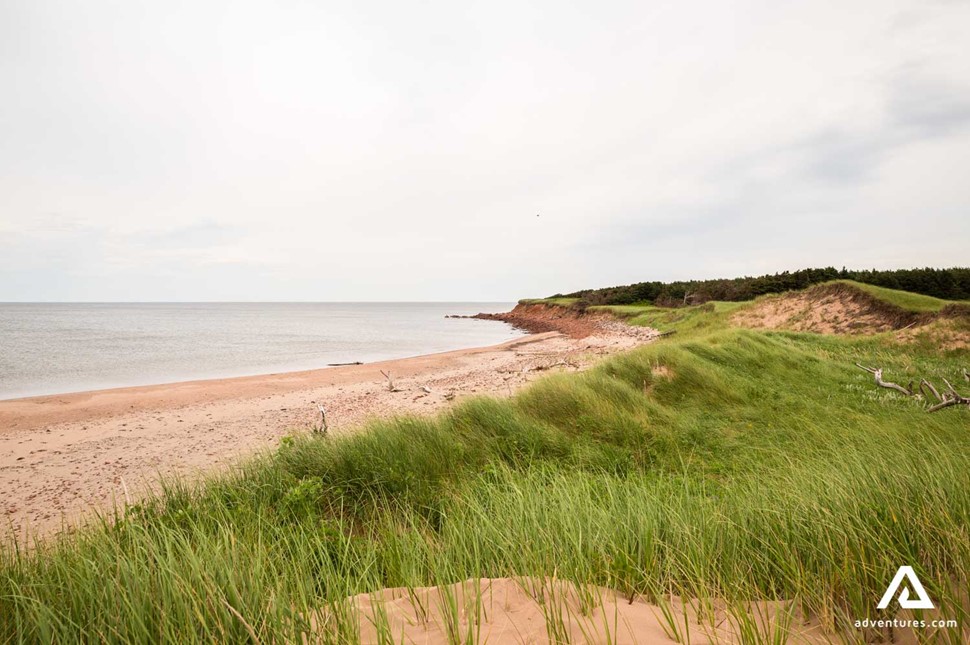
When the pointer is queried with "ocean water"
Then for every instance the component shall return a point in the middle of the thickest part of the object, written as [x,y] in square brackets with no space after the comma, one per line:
[55,348]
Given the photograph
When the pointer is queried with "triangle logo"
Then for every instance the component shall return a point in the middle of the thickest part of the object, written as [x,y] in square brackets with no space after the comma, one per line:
[912,582]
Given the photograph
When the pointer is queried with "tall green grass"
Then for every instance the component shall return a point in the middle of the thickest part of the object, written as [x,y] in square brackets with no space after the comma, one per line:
[560,302]
[692,320]
[733,466]
[902,299]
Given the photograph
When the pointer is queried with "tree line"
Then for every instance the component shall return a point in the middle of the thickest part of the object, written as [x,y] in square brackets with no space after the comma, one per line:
[949,284]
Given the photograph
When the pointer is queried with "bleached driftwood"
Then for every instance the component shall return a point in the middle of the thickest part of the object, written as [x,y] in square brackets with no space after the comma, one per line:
[949,398]
[322,428]
[877,372]
[390,381]
[929,386]
[548,366]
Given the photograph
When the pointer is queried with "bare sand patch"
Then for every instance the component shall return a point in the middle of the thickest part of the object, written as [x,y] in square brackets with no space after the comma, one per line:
[827,309]
[828,315]
[530,610]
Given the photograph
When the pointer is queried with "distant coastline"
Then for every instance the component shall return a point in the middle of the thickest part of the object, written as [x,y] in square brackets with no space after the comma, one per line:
[56,348]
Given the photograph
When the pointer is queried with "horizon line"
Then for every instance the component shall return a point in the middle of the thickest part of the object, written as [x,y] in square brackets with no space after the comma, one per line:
[248,302]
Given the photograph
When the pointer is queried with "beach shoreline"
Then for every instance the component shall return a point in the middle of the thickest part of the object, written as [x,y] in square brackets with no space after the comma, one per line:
[31,412]
[62,456]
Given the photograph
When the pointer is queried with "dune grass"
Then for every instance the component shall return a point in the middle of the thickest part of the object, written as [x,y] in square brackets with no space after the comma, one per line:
[733,465]
[694,319]
[560,301]
[902,299]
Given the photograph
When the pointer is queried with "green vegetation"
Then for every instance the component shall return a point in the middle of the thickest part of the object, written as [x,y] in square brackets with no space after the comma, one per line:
[902,299]
[719,463]
[951,284]
[696,319]
[712,315]
[562,302]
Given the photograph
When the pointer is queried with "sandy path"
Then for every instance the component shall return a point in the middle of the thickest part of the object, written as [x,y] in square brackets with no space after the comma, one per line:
[64,454]
[506,610]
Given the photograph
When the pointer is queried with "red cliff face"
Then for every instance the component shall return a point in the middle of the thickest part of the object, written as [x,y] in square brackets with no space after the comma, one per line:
[538,318]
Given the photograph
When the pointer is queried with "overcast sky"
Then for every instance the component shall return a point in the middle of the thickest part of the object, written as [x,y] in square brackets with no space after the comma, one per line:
[314,150]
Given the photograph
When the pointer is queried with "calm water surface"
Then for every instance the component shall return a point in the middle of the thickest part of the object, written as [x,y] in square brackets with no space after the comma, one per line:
[55,348]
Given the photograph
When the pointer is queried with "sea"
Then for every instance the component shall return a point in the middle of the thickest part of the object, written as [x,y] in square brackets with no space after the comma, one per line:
[54,348]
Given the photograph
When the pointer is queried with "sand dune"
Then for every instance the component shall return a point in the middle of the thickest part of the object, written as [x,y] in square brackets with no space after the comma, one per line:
[535,610]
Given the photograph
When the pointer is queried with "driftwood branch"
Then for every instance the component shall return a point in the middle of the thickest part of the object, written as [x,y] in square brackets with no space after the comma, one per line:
[930,387]
[560,363]
[322,428]
[390,381]
[907,326]
[948,398]
[950,387]
[548,366]
[877,373]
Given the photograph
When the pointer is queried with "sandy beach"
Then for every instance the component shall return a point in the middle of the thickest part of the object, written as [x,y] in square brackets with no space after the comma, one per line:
[63,455]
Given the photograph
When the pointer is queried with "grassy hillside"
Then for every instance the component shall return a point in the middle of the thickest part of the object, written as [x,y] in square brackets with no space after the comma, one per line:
[903,299]
[713,315]
[693,320]
[952,283]
[561,302]
[720,463]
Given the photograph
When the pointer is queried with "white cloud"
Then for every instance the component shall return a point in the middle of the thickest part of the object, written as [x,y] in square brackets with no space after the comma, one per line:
[345,151]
